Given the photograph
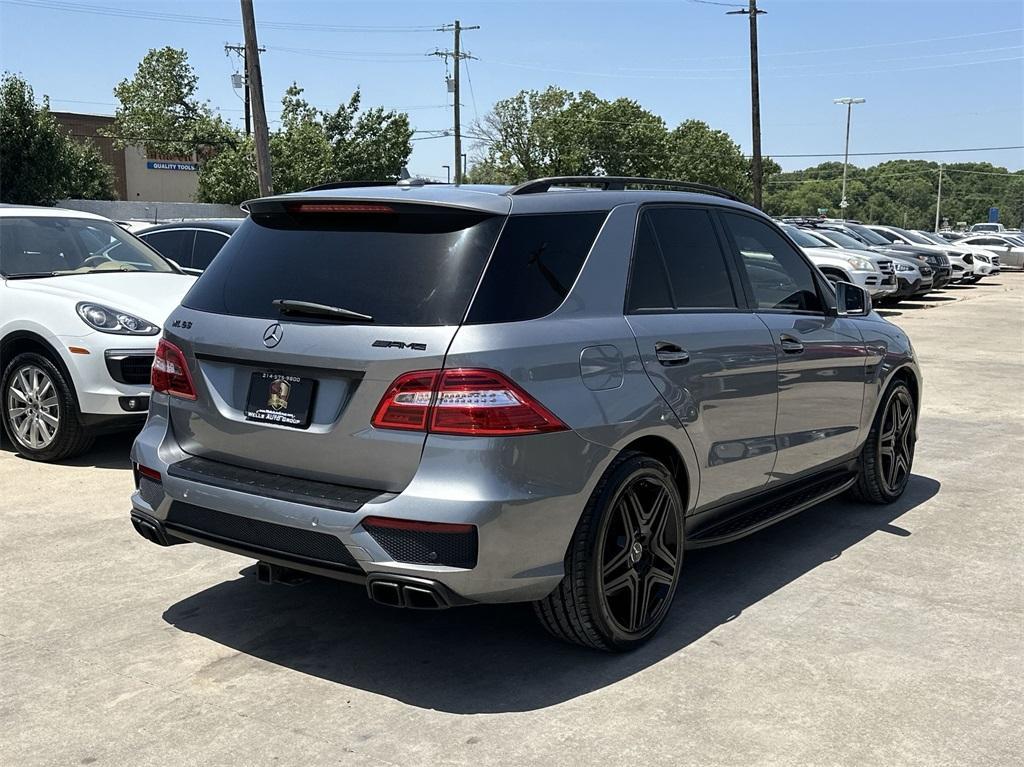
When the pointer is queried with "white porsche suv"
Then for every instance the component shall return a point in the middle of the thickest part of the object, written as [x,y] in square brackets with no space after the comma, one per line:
[82,303]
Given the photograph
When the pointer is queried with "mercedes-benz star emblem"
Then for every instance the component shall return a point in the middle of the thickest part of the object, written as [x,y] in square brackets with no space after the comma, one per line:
[272,335]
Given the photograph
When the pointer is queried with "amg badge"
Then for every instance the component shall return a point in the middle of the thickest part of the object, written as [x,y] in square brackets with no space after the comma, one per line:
[400,345]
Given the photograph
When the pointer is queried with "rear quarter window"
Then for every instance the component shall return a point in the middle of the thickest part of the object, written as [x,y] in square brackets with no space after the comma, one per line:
[534,265]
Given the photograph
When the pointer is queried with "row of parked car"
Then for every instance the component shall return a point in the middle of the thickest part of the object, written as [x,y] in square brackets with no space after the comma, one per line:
[894,264]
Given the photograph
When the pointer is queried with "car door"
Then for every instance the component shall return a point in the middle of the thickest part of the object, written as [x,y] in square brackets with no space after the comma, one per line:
[712,360]
[207,244]
[174,244]
[822,357]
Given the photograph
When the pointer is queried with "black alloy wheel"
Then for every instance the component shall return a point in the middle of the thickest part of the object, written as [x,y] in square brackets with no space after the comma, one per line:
[640,555]
[888,455]
[896,441]
[623,564]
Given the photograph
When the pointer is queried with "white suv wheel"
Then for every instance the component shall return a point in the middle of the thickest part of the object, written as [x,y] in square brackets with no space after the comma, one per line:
[33,407]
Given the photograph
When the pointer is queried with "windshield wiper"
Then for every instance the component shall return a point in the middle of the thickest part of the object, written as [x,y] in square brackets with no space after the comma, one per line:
[310,309]
[31,275]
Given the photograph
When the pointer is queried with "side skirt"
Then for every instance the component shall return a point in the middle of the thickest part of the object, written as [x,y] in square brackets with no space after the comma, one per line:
[763,510]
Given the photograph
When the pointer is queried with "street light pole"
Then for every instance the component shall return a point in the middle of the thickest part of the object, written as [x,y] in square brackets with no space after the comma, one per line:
[938,200]
[846,154]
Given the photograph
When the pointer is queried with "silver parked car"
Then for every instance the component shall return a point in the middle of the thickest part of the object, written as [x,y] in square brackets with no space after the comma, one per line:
[1009,248]
[543,393]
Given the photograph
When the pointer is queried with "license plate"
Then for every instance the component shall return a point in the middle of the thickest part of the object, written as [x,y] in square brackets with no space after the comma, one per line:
[281,399]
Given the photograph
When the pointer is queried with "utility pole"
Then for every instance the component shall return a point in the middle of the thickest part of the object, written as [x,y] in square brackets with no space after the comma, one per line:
[756,172]
[240,50]
[456,54]
[938,200]
[846,153]
[255,89]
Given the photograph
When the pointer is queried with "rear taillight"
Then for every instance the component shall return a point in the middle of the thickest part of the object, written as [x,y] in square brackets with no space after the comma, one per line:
[406,405]
[463,401]
[170,372]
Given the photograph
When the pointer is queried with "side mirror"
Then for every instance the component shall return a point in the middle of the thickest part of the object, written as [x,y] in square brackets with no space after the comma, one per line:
[852,300]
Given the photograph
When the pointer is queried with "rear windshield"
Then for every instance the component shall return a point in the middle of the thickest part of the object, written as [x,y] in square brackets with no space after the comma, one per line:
[410,266]
[844,240]
[870,236]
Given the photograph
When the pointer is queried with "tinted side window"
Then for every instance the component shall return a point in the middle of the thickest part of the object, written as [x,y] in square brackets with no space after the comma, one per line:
[780,277]
[693,256]
[535,263]
[207,245]
[888,236]
[171,243]
[648,283]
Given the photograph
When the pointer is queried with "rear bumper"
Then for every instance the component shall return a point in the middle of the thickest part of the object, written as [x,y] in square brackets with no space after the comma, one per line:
[523,505]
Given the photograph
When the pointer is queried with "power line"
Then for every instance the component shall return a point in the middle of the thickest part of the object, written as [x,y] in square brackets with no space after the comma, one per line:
[817,65]
[735,73]
[712,2]
[915,151]
[149,15]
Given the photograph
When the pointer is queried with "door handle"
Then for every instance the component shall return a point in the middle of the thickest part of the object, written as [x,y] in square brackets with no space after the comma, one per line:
[670,354]
[790,345]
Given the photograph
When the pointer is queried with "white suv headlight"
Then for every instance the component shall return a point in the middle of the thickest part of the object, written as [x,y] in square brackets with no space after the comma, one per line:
[107,320]
[860,264]
[903,267]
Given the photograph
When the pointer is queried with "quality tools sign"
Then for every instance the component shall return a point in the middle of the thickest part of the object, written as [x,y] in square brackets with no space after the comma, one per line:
[171,165]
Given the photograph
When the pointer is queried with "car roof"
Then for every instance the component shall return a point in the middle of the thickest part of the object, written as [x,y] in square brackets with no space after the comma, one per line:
[495,199]
[8,209]
[226,225]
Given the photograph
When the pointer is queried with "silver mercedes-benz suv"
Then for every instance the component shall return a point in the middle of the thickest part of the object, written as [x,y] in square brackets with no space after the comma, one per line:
[544,393]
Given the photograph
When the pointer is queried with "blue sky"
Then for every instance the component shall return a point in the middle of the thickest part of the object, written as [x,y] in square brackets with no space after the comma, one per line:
[937,74]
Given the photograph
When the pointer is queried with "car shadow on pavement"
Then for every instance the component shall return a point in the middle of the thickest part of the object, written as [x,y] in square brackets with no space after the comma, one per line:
[110,451]
[934,298]
[496,658]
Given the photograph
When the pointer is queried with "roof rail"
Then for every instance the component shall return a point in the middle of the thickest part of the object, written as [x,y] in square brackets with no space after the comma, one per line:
[618,183]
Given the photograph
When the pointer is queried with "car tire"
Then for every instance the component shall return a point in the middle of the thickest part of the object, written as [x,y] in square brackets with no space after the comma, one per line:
[47,427]
[623,563]
[887,458]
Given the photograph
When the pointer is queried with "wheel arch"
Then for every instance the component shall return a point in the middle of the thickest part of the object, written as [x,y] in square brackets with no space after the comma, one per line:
[913,382]
[835,271]
[664,451]
[22,341]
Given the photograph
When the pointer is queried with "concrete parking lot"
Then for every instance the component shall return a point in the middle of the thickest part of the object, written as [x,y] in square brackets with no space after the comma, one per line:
[847,635]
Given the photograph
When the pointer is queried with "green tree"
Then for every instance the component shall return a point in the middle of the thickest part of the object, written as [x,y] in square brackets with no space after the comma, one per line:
[704,155]
[901,192]
[39,162]
[374,144]
[312,147]
[556,132]
[159,108]
[229,176]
